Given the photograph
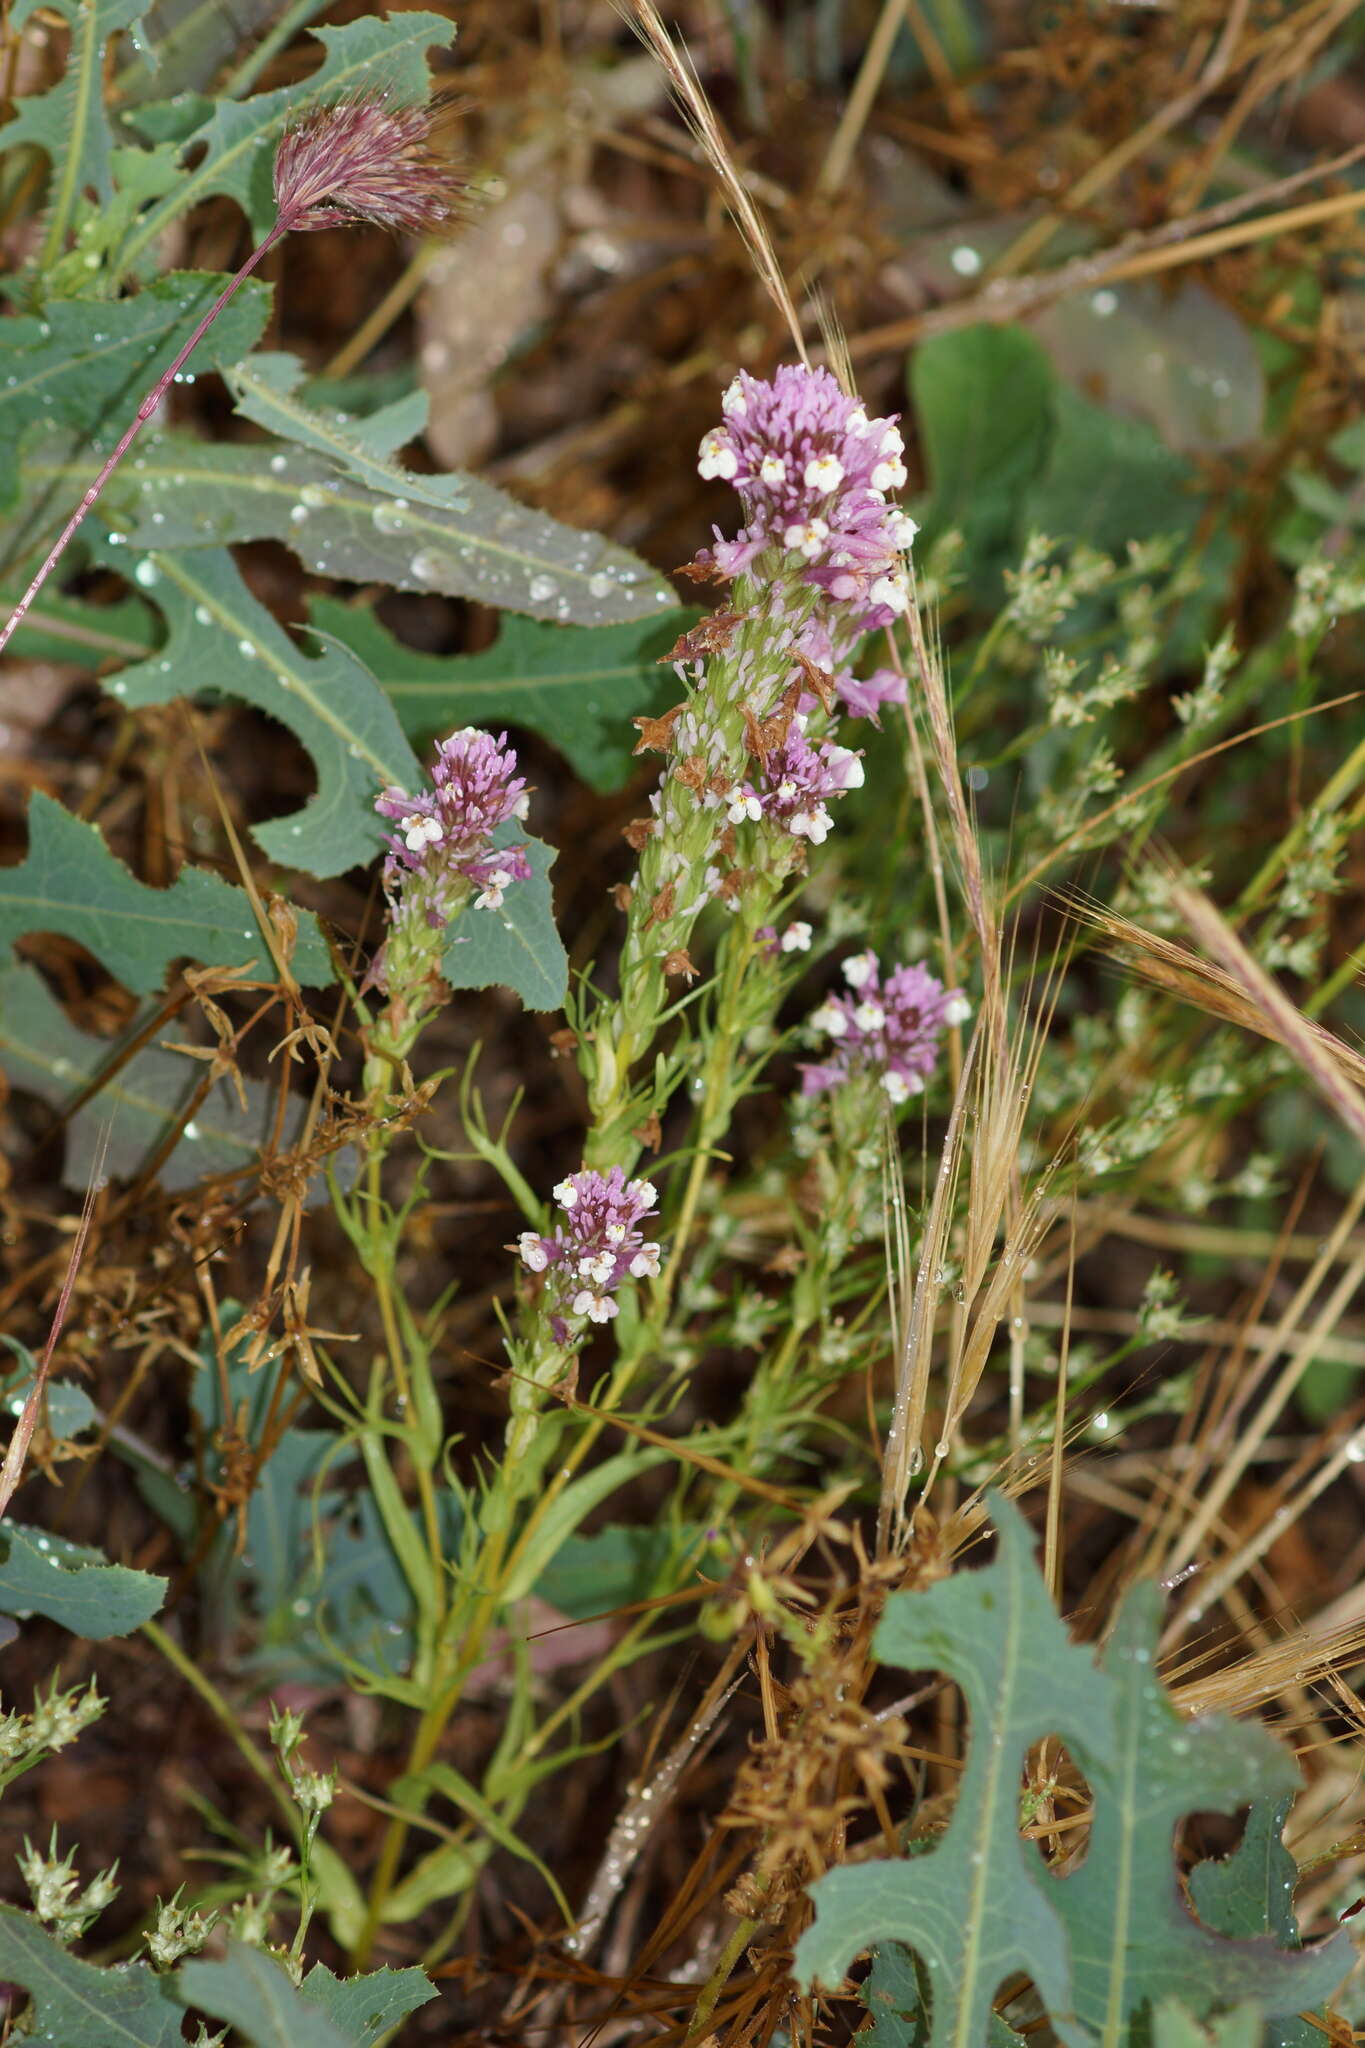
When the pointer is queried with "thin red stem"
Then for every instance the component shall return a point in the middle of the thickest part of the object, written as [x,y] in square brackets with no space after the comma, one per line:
[131,432]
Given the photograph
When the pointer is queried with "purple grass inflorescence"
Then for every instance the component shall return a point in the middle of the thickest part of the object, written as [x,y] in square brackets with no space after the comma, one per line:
[364,159]
[888,1028]
[598,1246]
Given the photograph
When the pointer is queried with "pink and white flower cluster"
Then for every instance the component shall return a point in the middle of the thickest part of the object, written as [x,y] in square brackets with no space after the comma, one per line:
[885,1028]
[443,845]
[813,473]
[795,782]
[599,1245]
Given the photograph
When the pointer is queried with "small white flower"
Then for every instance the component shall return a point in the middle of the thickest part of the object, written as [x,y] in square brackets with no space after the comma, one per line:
[490,896]
[831,1020]
[615,1233]
[860,969]
[956,1010]
[857,419]
[892,591]
[891,442]
[888,476]
[522,807]
[813,825]
[797,937]
[644,1192]
[844,762]
[645,1264]
[598,1307]
[824,473]
[533,1253]
[870,1016]
[733,403]
[787,791]
[744,807]
[900,1087]
[902,529]
[597,1266]
[772,470]
[717,457]
[419,831]
[566,1194]
[806,537]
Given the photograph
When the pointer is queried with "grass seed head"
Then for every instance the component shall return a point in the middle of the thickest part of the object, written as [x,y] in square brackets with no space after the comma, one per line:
[365,159]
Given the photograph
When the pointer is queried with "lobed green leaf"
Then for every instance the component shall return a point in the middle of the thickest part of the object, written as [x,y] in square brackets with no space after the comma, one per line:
[69,882]
[578,687]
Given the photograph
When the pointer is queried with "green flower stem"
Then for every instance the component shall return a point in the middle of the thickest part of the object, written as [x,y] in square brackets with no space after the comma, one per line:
[670,889]
[223,1713]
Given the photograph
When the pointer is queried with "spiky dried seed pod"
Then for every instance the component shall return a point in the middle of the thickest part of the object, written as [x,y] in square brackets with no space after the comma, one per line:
[364,159]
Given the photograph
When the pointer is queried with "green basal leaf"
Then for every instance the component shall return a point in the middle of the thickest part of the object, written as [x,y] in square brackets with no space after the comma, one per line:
[1132,1940]
[1251,1892]
[578,687]
[72,1585]
[252,1992]
[236,143]
[130,1114]
[1175,2027]
[518,946]
[189,494]
[81,370]
[73,632]
[364,2009]
[80,2006]
[67,123]
[69,882]
[69,1409]
[330,702]
[983,402]
[1108,479]
[977,1908]
[477,541]
[1106,1943]
[183,44]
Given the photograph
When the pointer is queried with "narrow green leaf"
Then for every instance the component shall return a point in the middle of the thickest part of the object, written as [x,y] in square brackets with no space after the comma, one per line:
[72,1585]
[578,687]
[365,2008]
[443,1778]
[129,1116]
[67,122]
[252,1992]
[976,1908]
[81,370]
[237,141]
[220,637]
[569,1509]
[69,882]
[1132,1939]
[80,2006]
[518,946]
